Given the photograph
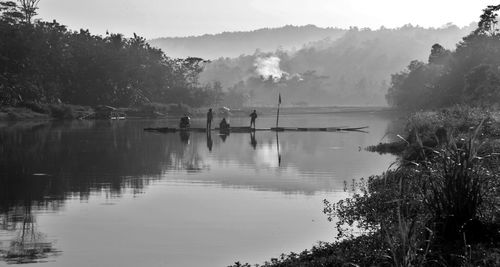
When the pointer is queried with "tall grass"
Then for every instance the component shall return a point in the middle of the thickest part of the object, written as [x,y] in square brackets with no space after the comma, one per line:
[408,239]
[454,183]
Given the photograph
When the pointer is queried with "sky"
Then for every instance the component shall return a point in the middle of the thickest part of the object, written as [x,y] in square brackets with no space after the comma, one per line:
[177,18]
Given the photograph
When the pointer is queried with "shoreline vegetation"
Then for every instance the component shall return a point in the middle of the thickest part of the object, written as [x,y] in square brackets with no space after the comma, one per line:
[36,111]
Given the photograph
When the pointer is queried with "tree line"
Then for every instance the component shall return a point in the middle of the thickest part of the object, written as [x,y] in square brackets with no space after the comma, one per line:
[470,74]
[45,62]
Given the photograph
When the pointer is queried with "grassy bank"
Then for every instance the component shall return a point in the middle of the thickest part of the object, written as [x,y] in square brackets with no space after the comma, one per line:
[37,111]
[439,207]
[42,111]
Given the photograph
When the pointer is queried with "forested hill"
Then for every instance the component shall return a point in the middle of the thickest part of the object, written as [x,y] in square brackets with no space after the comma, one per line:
[233,44]
[354,69]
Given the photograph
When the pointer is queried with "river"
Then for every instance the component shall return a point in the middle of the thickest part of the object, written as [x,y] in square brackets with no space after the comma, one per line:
[107,193]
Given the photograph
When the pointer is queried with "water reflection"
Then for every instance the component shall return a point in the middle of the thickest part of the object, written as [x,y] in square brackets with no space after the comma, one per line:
[278,148]
[223,136]
[184,136]
[210,143]
[26,244]
[253,141]
[42,165]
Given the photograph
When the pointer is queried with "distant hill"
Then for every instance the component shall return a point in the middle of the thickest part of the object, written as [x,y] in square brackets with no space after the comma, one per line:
[233,44]
[353,69]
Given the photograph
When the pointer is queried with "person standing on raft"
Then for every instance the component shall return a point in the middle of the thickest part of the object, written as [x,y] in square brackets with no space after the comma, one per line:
[253,116]
[184,122]
[224,125]
[210,117]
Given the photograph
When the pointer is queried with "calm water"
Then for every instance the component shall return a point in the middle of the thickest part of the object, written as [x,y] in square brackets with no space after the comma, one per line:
[101,193]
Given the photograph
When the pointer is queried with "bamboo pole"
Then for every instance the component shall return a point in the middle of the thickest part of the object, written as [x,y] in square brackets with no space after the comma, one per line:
[278,112]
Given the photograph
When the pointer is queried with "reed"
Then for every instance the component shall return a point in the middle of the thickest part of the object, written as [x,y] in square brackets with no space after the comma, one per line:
[454,183]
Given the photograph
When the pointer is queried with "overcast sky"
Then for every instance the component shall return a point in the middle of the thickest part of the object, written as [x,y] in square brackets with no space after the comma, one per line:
[168,18]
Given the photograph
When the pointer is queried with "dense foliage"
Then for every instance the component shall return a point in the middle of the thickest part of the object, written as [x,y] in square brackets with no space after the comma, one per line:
[470,74]
[45,62]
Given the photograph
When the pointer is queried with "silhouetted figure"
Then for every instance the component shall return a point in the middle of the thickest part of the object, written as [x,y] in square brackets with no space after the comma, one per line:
[209,141]
[223,125]
[253,142]
[253,116]
[210,117]
[184,122]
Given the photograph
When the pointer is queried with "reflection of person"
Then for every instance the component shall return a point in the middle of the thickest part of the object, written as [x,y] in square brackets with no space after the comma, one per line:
[253,116]
[209,141]
[253,142]
[210,117]
[184,136]
[223,125]
[184,122]
[223,136]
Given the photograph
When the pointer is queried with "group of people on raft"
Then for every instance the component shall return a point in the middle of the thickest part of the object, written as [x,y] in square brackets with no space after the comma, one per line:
[223,125]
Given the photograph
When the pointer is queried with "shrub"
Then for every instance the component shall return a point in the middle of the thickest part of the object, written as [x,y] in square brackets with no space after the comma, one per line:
[36,107]
[455,184]
[61,111]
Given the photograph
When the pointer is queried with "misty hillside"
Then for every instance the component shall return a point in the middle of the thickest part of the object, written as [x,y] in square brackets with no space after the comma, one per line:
[233,44]
[354,69]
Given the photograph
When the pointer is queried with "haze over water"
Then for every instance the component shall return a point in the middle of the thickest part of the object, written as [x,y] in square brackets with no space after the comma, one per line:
[102,193]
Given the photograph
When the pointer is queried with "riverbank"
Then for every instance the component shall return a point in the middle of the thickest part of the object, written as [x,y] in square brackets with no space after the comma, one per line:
[37,111]
[439,207]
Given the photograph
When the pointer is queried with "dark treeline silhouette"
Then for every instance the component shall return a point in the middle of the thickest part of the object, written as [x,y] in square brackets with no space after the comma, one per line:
[45,62]
[470,74]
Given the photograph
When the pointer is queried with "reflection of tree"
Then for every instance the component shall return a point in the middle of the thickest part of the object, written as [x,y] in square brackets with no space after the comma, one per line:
[28,245]
[81,157]
[186,157]
[42,164]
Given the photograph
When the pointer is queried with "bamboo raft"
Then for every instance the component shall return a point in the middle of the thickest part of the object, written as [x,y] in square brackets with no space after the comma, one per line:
[249,129]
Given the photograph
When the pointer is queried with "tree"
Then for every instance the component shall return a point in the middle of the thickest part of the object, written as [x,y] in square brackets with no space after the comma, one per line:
[28,8]
[488,21]
[468,74]
[482,85]
[44,62]
[9,12]
[439,55]
[415,87]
